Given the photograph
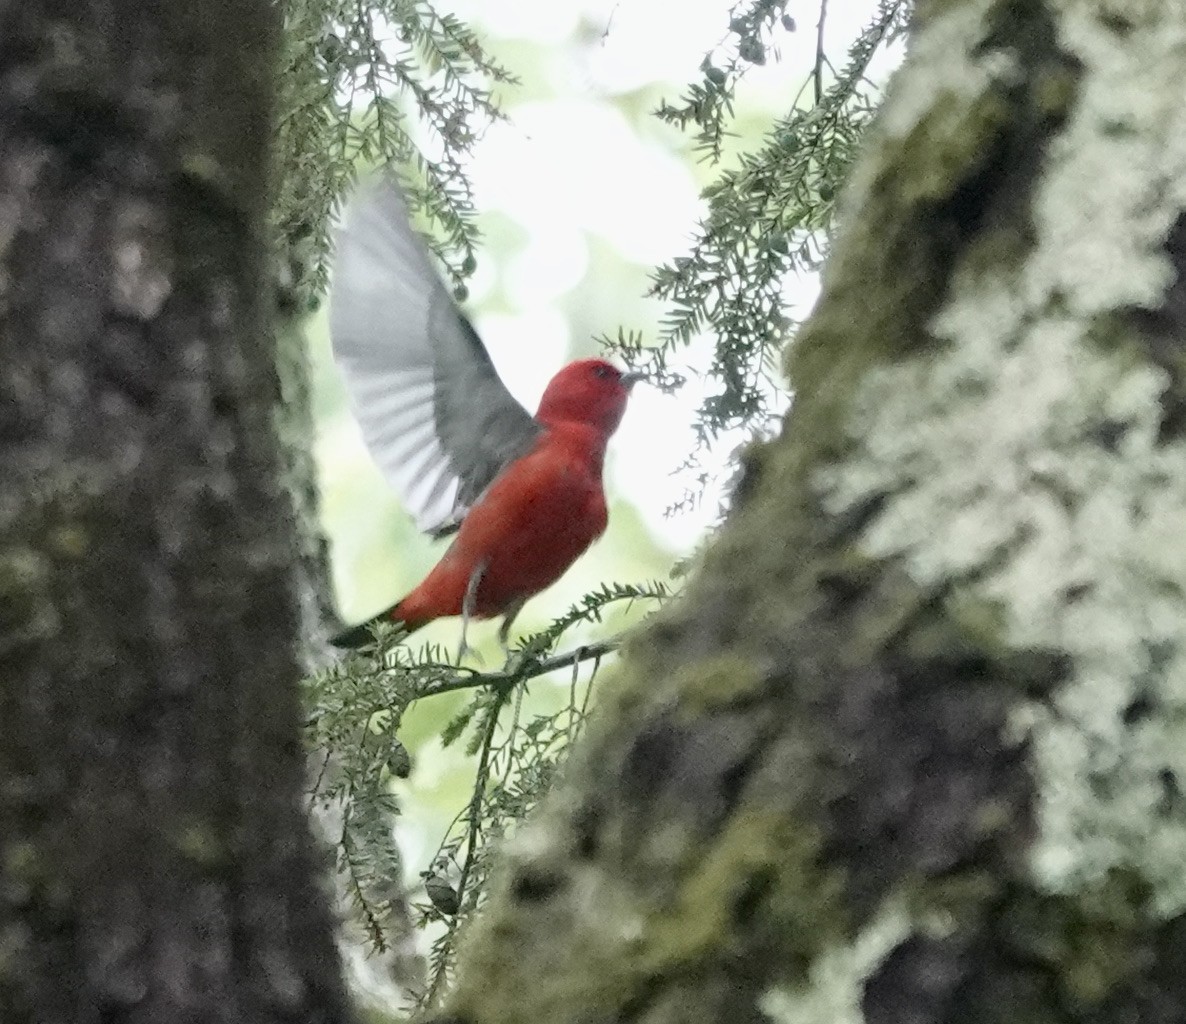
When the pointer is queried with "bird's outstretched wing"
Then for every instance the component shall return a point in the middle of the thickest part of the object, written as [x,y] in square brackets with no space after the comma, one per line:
[437,419]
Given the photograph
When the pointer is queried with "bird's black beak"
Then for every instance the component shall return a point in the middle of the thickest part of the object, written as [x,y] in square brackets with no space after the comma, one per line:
[633,377]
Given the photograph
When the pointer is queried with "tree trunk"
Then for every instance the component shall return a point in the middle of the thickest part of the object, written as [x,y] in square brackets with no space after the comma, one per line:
[155,861]
[911,747]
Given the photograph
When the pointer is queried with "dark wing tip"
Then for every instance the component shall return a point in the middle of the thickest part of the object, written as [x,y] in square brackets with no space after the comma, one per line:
[446,529]
[363,635]
[354,637]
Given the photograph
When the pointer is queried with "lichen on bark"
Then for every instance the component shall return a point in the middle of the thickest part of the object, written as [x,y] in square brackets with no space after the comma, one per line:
[1030,460]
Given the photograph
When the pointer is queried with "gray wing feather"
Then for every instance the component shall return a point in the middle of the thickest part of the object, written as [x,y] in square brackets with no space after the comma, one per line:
[436,418]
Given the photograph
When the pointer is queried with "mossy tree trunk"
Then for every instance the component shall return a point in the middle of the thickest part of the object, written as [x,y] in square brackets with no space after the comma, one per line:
[912,746]
[155,860]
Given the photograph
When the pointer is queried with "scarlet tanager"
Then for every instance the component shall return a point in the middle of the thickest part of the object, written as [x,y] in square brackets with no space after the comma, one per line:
[522,493]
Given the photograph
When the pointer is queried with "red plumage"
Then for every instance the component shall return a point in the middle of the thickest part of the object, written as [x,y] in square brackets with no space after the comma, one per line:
[524,493]
[540,514]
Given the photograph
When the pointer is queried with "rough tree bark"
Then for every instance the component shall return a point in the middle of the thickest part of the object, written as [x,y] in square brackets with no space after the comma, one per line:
[155,862]
[912,746]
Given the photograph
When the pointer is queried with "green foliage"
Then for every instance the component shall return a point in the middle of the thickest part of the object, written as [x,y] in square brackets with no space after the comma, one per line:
[356,709]
[708,104]
[350,71]
[767,217]
[352,726]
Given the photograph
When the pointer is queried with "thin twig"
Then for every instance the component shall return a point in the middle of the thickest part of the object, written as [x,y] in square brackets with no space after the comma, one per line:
[510,740]
[320,777]
[528,670]
[588,694]
[474,823]
[572,695]
[609,23]
[820,57]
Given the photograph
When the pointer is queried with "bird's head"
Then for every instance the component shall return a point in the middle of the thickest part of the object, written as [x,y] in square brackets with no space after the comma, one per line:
[589,391]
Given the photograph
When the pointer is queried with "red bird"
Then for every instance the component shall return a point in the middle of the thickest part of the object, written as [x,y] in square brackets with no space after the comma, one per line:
[523,493]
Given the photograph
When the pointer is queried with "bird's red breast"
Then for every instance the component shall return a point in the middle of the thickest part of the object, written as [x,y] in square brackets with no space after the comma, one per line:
[536,519]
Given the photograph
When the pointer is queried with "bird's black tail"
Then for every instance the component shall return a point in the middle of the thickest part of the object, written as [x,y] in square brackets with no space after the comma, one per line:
[363,634]
[355,636]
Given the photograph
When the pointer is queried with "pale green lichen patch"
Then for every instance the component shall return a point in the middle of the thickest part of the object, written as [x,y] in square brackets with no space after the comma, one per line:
[21,864]
[69,541]
[1114,185]
[199,843]
[27,611]
[612,932]
[595,926]
[1023,457]
[835,984]
[754,845]
[716,683]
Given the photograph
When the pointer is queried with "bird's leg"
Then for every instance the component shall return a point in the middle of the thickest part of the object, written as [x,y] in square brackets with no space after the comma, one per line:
[468,605]
[508,618]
